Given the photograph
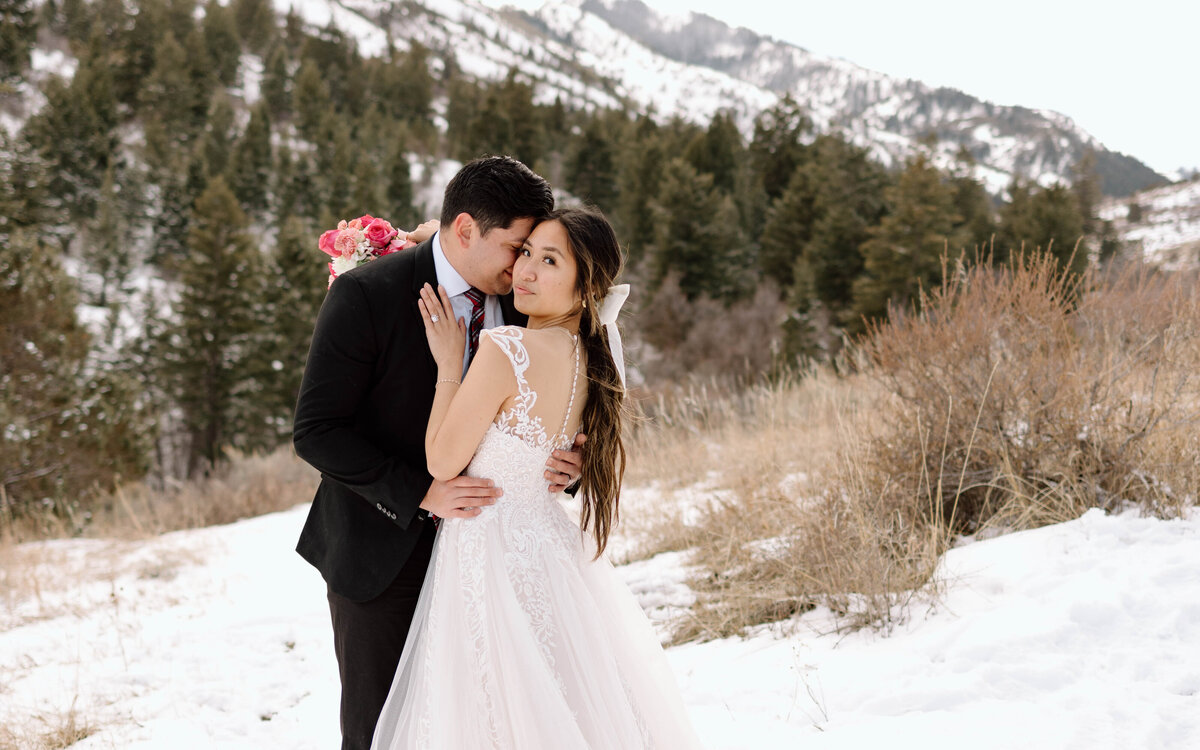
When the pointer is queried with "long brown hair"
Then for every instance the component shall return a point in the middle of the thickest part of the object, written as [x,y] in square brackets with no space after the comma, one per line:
[598,263]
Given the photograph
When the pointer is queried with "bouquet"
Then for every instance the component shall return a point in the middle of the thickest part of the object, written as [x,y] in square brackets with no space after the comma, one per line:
[359,241]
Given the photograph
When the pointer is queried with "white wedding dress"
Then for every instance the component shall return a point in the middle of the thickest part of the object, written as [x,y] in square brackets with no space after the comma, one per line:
[521,640]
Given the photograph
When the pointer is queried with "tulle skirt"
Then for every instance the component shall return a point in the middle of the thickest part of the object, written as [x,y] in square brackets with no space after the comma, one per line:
[521,640]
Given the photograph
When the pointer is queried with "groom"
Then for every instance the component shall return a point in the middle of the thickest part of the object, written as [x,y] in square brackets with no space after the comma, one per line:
[361,415]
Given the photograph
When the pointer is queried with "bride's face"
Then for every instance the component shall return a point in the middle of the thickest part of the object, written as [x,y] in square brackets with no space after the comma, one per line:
[544,274]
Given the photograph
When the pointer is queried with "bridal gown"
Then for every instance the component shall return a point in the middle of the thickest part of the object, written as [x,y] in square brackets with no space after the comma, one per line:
[521,640]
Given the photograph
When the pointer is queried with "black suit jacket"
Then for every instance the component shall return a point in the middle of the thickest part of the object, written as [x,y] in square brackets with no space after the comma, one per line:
[360,420]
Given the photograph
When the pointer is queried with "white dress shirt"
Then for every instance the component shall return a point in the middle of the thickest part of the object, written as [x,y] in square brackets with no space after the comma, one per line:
[456,286]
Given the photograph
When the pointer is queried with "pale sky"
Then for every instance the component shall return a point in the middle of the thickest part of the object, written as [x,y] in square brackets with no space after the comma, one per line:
[1128,73]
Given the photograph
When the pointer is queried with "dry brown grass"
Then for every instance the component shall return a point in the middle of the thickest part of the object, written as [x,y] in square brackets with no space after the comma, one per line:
[1018,397]
[243,487]
[47,732]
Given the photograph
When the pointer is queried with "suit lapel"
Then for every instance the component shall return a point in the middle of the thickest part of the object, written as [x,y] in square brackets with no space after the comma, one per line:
[424,272]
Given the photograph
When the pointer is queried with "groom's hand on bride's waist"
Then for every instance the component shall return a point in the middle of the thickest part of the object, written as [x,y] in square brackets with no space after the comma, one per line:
[461,497]
[565,467]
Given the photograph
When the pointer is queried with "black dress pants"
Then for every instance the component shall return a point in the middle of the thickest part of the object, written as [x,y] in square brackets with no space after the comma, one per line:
[368,638]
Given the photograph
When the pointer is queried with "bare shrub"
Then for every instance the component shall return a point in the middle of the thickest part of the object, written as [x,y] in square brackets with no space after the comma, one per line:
[1018,396]
[674,339]
[1026,396]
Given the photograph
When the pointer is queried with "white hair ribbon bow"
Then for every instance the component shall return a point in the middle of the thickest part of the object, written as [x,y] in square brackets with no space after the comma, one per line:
[610,307]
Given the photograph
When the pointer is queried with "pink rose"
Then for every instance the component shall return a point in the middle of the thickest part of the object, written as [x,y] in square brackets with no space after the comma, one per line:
[365,220]
[346,242]
[326,242]
[380,233]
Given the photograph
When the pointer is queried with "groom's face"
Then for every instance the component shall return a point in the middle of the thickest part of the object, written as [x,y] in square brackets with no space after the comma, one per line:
[490,257]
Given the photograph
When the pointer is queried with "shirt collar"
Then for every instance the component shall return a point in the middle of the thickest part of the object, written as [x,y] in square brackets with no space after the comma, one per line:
[449,278]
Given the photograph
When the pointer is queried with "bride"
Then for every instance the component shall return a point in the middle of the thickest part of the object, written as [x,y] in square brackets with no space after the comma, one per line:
[524,637]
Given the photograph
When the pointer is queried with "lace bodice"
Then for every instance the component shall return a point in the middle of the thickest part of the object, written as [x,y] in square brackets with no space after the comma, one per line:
[519,420]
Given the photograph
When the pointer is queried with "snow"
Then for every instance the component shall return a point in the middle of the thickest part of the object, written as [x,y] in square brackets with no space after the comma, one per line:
[53,61]
[1084,634]
[1168,233]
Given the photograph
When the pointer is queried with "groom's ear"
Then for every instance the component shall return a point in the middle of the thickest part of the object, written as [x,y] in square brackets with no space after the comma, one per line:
[464,228]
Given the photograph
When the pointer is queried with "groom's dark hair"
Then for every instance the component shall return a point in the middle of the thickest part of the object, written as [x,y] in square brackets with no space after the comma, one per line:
[496,191]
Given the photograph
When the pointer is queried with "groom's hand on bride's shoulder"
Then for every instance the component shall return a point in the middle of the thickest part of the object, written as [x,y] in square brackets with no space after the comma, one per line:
[461,497]
[565,466]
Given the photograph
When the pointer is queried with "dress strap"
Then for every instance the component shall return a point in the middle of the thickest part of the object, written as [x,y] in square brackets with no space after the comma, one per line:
[510,340]
[561,435]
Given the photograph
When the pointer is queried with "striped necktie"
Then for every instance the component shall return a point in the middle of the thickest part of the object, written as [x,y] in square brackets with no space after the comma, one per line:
[477,297]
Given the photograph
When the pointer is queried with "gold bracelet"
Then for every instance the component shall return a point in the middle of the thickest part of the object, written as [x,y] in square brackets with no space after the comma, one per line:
[446,380]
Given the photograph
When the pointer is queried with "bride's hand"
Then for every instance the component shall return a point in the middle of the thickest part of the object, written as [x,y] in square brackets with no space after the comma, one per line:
[447,335]
[424,231]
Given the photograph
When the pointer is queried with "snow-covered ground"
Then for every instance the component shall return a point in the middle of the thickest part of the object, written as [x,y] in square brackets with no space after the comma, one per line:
[1081,635]
[1168,231]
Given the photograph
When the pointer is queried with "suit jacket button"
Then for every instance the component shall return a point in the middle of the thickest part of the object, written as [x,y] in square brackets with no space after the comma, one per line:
[378,506]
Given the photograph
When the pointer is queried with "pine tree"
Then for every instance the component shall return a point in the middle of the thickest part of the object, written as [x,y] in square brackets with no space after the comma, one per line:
[788,228]
[695,235]
[1088,189]
[368,193]
[463,98]
[1060,226]
[64,432]
[296,290]
[639,179]
[718,151]
[250,166]
[413,91]
[181,17]
[277,84]
[334,179]
[255,22]
[296,190]
[1110,241]
[293,30]
[310,100]
[166,102]
[212,345]
[341,68]
[221,41]
[1048,220]
[108,251]
[904,252]
[399,197]
[219,133]
[1017,230]
[139,47]
[202,74]
[75,133]
[76,21]
[524,138]
[18,33]
[591,169]
[24,187]
[777,147]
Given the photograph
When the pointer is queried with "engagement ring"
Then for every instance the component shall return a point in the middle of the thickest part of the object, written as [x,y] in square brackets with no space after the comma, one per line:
[434,318]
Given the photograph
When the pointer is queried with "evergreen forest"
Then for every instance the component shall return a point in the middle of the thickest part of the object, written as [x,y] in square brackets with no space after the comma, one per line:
[159,215]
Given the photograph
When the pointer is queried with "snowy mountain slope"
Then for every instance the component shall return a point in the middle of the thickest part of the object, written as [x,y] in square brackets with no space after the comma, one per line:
[1163,224]
[888,115]
[612,53]
[1080,635]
